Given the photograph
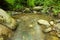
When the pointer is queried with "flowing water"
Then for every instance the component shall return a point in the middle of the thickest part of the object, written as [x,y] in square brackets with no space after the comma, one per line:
[28,27]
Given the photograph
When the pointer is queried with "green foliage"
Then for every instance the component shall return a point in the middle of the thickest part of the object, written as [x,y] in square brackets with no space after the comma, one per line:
[55,4]
[31,3]
[17,5]
[39,2]
[48,5]
[10,1]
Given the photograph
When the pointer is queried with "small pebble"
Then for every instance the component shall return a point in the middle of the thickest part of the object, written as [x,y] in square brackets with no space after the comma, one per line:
[30,25]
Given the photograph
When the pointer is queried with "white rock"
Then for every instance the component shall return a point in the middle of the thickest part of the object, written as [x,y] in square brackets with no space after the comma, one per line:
[44,22]
[30,25]
[35,12]
[48,29]
[51,23]
[37,8]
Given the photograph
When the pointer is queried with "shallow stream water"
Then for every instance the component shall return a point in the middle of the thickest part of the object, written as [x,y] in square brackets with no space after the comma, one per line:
[29,29]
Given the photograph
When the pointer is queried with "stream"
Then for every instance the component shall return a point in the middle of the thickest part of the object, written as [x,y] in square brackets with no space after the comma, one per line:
[29,29]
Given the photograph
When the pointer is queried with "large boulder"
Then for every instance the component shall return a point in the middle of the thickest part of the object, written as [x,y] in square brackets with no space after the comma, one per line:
[4,31]
[7,19]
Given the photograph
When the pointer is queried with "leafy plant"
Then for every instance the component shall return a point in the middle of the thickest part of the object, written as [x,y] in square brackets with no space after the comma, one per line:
[39,2]
[46,4]
[31,3]
[10,1]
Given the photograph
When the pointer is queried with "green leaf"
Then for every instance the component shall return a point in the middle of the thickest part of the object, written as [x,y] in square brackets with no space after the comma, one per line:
[10,1]
[30,3]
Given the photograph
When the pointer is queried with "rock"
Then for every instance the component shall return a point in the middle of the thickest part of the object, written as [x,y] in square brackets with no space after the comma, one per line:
[30,25]
[43,22]
[1,20]
[58,34]
[51,23]
[57,26]
[1,38]
[48,29]
[12,24]
[37,8]
[57,29]
[34,11]
[51,37]
[7,19]
[27,10]
[5,31]
[12,13]
[58,21]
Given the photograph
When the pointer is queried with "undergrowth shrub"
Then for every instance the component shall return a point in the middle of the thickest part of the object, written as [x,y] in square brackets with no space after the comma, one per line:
[48,5]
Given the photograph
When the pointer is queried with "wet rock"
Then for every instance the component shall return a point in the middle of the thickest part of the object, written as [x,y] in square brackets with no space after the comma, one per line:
[58,34]
[48,29]
[57,26]
[51,23]
[30,25]
[51,37]
[37,8]
[34,11]
[7,19]
[43,22]
[58,21]
[1,20]
[5,31]
[13,13]
[27,10]
[1,39]
[12,24]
